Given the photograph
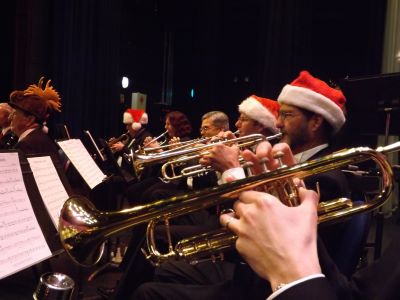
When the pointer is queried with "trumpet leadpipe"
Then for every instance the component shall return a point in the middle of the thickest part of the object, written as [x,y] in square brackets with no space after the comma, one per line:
[155,139]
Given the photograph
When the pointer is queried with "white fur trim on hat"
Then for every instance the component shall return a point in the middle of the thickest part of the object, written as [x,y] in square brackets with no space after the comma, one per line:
[127,118]
[144,119]
[315,102]
[257,112]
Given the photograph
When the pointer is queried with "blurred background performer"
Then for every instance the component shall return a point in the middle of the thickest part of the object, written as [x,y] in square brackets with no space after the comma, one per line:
[257,116]
[213,280]
[135,121]
[31,108]
[7,138]
[177,126]
[213,122]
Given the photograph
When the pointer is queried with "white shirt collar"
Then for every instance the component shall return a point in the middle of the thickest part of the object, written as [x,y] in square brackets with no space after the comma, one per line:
[25,133]
[305,155]
[5,130]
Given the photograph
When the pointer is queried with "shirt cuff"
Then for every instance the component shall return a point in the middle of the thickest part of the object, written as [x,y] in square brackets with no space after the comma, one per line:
[293,283]
[235,173]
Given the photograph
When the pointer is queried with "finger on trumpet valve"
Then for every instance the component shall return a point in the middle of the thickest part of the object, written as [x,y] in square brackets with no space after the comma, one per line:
[278,155]
[263,163]
[248,167]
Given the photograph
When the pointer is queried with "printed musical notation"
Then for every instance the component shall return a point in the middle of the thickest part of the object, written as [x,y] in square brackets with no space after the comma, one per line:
[82,161]
[49,184]
[22,243]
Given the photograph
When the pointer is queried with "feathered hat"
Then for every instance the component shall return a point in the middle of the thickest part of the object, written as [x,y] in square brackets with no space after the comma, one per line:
[37,100]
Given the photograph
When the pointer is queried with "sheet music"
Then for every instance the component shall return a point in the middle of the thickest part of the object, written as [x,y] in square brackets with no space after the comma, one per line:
[82,161]
[49,184]
[22,243]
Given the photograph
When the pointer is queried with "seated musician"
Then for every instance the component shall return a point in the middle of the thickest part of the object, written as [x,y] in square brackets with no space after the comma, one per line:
[177,125]
[212,123]
[135,121]
[306,130]
[31,109]
[310,115]
[257,115]
[280,244]
[7,137]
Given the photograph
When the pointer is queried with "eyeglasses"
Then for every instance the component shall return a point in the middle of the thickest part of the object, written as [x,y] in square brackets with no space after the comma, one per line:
[243,119]
[204,128]
[283,115]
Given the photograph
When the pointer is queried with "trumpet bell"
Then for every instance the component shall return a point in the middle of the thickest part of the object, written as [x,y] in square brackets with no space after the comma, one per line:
[79,219]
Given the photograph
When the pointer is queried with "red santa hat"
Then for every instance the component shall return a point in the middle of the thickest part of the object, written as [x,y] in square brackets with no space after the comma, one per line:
[264,111]
[136,117]
[313,94]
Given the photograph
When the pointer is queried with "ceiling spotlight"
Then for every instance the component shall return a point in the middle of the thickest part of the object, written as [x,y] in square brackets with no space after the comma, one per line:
[125,82]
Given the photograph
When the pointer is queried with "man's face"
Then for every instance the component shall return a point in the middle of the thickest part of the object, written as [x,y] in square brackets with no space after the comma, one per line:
[132,132]
[20,121]
[294,127]
[4,118]
[207,128]
[247,126]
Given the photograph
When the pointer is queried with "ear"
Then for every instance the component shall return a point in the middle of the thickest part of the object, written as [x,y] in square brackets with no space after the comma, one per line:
[315,122]
[30,120]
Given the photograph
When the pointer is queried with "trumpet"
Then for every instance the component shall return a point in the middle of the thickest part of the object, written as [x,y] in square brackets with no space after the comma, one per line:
[168,169]
[145,150]
[140,161]
[123,138]
[186,144]
[83,229]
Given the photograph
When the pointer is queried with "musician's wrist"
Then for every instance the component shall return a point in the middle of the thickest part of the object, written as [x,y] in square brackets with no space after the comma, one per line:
[293,273]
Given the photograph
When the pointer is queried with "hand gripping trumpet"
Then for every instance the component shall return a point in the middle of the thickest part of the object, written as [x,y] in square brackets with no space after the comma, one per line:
[83,229]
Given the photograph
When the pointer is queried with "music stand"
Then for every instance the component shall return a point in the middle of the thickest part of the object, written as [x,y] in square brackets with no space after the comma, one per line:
[45,222]
[371,100]
[94,146]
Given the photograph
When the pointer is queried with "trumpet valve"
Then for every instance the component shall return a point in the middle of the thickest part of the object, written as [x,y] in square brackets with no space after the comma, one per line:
[263,163]
[278,155]
[247,166]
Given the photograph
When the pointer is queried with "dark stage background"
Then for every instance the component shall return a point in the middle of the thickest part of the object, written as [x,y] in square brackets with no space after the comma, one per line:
[225,50]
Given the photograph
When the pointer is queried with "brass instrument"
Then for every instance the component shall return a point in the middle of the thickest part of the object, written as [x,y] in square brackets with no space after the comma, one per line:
[83,229]
[123,138]
[168,169]
[185,144]
[140,161]
[144,150]
[176,146]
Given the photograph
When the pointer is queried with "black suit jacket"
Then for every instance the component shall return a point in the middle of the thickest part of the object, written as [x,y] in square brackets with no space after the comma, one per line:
[378,281]
[37,142]
[314,289]
[8,140]
[332,184]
